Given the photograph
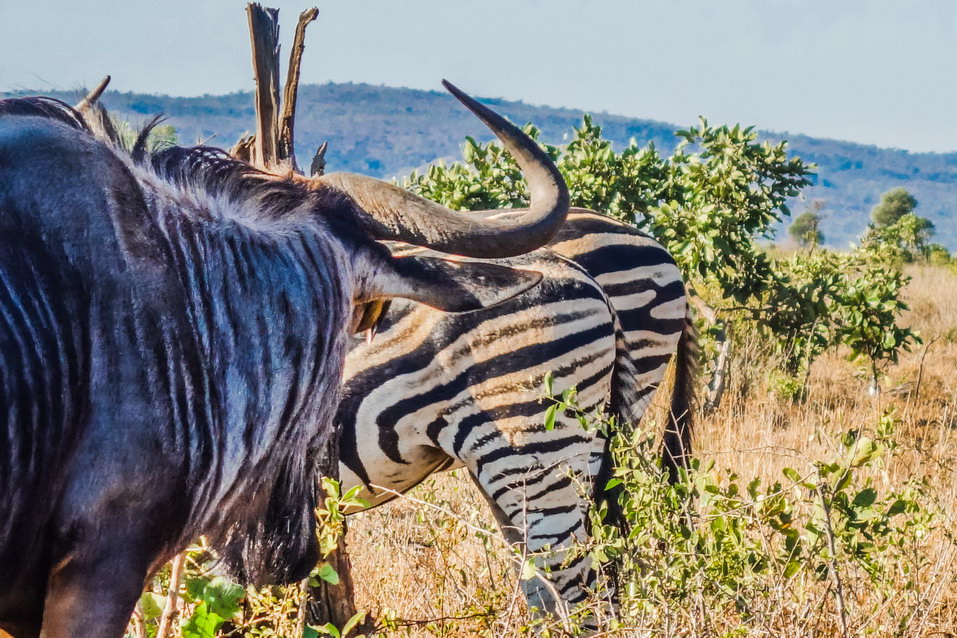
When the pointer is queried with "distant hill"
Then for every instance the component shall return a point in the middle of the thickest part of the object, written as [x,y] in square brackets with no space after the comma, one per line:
[384,131]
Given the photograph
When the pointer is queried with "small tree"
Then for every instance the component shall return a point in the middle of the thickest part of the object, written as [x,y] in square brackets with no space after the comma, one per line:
[806,228]
[906,240]
[895,203]
[938,255]
[866,317]
[896,233]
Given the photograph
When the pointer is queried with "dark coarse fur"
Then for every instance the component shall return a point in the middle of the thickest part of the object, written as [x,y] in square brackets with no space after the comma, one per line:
[44,107]
[163,367]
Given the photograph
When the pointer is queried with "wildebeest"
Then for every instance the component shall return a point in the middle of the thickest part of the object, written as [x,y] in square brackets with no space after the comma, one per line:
[435,391]
[172,330]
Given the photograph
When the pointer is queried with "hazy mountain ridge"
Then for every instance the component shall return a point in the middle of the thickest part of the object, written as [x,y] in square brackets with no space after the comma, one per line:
[386,131]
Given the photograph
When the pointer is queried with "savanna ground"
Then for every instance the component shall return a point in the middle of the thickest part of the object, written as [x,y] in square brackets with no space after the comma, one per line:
[434,563]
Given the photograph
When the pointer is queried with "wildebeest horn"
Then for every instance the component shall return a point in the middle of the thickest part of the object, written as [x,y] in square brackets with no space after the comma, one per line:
[395,213]
[93,95]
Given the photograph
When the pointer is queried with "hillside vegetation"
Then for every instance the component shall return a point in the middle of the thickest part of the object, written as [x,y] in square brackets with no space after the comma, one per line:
[384,131]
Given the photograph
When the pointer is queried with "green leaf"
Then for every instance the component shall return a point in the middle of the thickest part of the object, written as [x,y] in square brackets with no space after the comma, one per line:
[792,475]
[792,568]
[327,572]
[898,507]
[202,624]
[548,381]
[353,622]
[612,483]
[220,595]
[325,630]
[195,588]
[865,498]
[152,605]
[528,570]
[550,414]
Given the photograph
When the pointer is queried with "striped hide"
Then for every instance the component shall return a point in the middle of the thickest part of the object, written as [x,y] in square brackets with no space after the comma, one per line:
[436,391]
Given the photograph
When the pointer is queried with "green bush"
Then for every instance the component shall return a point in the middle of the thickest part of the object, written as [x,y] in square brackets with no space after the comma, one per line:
[904,241]
[806,229]
[709,204]
[726,554]
[938,255]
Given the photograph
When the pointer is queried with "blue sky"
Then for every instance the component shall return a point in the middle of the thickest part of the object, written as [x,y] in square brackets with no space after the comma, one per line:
[873,71]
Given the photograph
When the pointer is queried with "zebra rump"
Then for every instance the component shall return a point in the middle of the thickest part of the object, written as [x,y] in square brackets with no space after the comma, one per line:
[434,392]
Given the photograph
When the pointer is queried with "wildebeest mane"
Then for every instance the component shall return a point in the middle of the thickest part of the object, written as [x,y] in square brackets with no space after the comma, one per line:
[48,107]
[218,174]
[201,167]
[264,196]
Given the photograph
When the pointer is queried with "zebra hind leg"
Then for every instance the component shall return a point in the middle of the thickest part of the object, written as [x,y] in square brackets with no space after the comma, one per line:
[550,514]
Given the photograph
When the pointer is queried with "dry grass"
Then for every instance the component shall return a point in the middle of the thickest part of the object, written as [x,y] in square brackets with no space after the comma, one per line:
[430,560]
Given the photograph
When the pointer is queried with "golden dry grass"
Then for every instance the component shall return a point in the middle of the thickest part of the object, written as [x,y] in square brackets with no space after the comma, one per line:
[428,558]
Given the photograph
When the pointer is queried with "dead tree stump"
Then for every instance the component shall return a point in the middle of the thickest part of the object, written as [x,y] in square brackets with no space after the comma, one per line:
[273,149]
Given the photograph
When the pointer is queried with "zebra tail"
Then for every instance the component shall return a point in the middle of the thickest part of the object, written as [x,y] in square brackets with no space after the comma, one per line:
[677,439]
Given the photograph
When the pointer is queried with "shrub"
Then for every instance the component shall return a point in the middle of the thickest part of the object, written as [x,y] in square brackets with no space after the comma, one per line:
[708,204]
[719,554]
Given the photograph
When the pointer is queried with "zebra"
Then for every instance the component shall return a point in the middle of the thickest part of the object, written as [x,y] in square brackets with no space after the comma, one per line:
[434,392]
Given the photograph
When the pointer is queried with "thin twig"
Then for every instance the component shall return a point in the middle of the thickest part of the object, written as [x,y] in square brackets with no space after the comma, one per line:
[176,574]
[920,369]
[428,621]
[719,381]
[139,628]
[703,308]
[513,599]
[303,607]
[838,585]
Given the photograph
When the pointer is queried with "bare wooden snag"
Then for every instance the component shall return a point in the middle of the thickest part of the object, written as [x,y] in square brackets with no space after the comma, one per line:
[291,91]
[273,148]
[264,37]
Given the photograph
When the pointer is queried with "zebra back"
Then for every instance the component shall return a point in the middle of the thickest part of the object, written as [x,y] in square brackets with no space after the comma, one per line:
[645,287]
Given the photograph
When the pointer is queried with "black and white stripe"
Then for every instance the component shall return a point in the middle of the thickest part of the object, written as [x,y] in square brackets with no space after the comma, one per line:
[435,391]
